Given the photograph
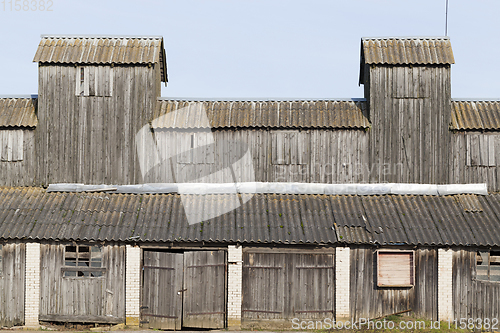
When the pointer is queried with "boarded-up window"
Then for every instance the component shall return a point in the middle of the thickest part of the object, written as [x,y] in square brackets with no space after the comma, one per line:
[94,81]
[83,261]
[289,147]
[11,145]
[395,269]
[488,265]
[482,150]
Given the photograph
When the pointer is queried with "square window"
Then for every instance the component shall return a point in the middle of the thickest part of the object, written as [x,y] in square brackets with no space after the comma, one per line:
[488,266]
[395,268]
[82,261]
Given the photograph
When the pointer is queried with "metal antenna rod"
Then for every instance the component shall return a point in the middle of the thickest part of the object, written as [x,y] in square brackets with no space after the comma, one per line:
[446,20]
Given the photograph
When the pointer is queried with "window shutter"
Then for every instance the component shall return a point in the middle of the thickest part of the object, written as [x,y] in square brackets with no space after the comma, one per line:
[395,269]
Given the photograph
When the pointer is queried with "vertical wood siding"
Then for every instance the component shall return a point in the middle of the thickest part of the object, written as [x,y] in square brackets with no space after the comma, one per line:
[476,158]
[100,299]
[410,113]
[278,287]
[90,139]
[12,284]
[319,156]
[472,298]
[370,301]
[19,169]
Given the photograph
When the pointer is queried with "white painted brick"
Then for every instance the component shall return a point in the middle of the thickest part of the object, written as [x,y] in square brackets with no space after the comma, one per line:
[342,283]
[132,281]
[445,287]
[235,268]
[32,285]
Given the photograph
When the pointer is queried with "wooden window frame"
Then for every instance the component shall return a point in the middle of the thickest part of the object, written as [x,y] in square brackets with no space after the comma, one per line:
[412,268]
[82,269]
[496,260]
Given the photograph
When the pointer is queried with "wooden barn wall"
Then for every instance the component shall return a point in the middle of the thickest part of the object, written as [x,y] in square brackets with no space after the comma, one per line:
[472,298]
[12,284]
[370,301]
[88,139]
[82,299]
[316,156]
[476,158]
[279,285]
[22,171]
[410,115]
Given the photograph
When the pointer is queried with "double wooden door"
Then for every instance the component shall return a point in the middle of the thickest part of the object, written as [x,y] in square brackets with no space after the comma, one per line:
[184,290]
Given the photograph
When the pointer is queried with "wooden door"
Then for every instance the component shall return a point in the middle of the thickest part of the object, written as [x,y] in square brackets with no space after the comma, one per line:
[204,304]
[162,290]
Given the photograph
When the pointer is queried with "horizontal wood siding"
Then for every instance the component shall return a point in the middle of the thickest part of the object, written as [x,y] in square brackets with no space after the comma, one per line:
[370,301]
[472,298]
[100,299]
[12,284]
[410,114]
[91,139]
[17,167]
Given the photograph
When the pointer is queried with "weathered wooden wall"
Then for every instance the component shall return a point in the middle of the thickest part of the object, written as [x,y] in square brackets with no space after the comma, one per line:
[279,285]
[472,298]
[410,115]
[17,157]
[12,284]
[316,156]
[82,299]
[475,158]
[370,301]
[89,139]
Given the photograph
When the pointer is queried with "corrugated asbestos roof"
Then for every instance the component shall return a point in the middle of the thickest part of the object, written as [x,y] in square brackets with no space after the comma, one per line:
[407,50]
[475,115]
[267,114]
[102,50]
[32,213]
[18,112]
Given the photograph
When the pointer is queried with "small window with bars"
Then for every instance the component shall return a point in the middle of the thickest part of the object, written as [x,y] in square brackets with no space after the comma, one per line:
[395,268]
[83,261]
[488,266]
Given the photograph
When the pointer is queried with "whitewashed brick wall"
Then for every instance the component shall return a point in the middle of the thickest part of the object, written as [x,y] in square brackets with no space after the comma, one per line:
[235,269]
[445,287]
[342,283]
[32,280]
[132,285]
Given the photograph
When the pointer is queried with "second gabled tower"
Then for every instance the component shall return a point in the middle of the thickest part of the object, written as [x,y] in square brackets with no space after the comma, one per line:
[408,90]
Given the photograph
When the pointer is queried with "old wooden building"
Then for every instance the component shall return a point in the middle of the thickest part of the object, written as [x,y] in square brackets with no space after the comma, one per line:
[119,205]
[276,258]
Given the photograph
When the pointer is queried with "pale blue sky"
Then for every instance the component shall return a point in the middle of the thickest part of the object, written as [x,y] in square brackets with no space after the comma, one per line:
[262,48]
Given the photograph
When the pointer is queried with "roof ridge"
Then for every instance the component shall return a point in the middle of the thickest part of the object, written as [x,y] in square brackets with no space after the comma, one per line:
[102,36]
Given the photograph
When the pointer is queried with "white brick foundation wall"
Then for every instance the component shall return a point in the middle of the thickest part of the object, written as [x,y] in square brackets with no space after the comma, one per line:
[32,280]
[445,287]
[342,283]
[132,285]
[235,268]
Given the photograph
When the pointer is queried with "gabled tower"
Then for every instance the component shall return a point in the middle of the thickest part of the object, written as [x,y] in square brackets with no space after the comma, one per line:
[95,93]
[408,90]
